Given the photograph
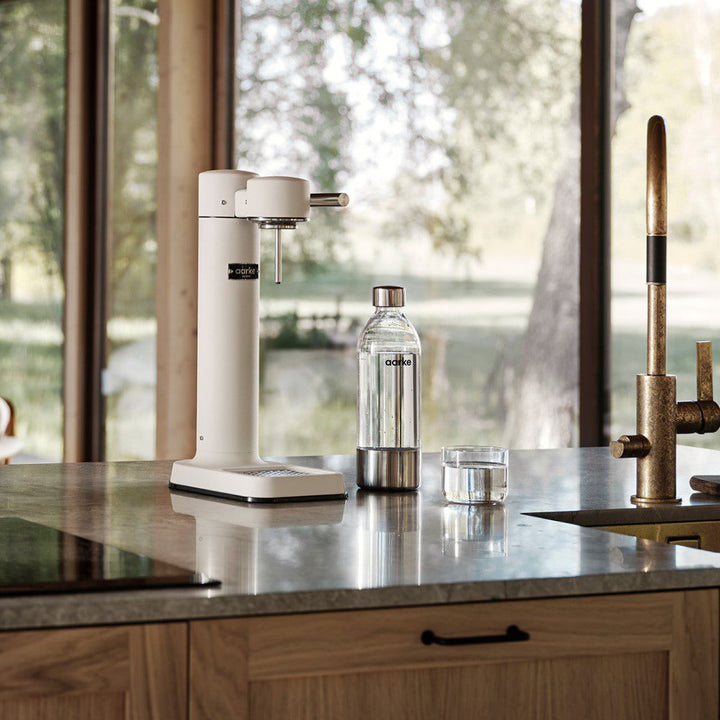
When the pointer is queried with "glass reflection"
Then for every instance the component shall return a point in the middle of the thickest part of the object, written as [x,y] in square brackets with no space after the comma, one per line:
[474,531]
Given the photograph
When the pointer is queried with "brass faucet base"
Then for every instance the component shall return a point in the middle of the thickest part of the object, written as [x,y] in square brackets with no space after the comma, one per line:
[656,415]
[653,501]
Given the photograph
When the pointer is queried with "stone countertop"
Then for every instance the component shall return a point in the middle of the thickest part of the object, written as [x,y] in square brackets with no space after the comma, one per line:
[375,550]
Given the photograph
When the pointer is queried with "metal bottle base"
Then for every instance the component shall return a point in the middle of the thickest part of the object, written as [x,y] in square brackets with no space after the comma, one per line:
[388,469]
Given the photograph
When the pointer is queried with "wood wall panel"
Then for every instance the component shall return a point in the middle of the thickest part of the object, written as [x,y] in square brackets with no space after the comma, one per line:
[185,148]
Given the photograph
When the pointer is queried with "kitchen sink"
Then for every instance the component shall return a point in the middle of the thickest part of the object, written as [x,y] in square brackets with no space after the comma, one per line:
[704,535]
[696,526]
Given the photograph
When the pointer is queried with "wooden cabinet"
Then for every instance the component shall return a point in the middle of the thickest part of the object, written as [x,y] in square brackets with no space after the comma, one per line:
[135,672]
[639,656]
[635,656]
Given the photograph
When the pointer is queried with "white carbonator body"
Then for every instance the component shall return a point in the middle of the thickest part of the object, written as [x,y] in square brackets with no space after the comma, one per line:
[228,335]
[226,461]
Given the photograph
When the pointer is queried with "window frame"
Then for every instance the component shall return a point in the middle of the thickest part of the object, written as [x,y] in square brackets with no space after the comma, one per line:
[597,77]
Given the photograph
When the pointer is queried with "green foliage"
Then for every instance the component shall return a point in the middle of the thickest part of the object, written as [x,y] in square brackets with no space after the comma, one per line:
[134,159]
[454,85]
[291,336]
[32,129]
[32,143]
[31,363]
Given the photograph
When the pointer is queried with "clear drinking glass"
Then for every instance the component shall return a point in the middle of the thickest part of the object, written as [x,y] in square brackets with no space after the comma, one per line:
[473,474]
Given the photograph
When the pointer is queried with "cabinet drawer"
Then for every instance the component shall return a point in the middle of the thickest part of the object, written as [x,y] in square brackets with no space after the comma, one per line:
[340,642]
[641,656]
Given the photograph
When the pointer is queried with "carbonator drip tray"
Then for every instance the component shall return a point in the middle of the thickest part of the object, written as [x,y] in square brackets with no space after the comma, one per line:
[260,483]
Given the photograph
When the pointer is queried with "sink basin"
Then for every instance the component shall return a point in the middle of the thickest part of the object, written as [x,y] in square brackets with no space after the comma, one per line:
[696,526]
[704,535]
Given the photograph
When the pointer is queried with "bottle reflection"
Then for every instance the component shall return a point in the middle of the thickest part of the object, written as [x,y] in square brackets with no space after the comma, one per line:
[474,530]
[389,539]
[228,534]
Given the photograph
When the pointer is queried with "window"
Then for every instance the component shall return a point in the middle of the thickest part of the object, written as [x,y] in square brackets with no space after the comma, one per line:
[32,170]
[129,377]
[454,128]
[671,66]
[32,142]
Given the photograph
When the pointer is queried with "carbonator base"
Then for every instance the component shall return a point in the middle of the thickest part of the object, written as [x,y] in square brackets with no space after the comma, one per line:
[261,483]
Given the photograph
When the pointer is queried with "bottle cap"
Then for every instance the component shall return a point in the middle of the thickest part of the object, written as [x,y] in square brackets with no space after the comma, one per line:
[388,296]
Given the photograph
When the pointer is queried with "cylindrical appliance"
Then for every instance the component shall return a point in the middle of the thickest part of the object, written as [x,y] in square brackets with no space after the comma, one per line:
[228,280]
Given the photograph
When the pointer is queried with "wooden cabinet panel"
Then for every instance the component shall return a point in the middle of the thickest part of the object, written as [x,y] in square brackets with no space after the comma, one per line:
[603,688]
[158,671]
[218,662]
[109,706]
[494,691]
[694,655]
[136,672]
[60,662]
[642,656]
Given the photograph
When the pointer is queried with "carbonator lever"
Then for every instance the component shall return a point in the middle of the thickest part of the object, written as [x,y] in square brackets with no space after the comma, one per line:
[329,200]
[279,203]
[316,200]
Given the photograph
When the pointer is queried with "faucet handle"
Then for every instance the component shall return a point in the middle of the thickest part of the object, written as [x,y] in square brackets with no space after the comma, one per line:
[701,415]
[704,362]
[634,446]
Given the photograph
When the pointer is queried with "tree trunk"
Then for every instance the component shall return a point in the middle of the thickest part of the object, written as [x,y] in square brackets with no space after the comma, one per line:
[543,404]
[6,278]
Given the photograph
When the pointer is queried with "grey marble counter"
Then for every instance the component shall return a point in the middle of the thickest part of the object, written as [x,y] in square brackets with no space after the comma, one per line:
[372,551]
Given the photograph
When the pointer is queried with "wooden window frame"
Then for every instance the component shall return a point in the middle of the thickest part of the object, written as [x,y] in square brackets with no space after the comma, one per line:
[85,229]
[596,91]
[195,129]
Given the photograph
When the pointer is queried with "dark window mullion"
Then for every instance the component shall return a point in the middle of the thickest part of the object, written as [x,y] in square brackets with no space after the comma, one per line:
[596,83]
[96,331]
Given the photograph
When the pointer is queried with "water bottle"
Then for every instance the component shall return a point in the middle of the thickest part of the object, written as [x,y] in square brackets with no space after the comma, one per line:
[388,425]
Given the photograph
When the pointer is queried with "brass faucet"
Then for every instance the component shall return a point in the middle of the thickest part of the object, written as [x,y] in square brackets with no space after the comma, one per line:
[659,416]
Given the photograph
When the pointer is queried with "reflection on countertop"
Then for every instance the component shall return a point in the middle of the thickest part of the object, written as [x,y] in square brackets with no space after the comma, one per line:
[375,550]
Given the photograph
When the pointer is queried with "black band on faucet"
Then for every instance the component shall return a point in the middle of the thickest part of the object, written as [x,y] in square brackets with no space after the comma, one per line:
[657,259]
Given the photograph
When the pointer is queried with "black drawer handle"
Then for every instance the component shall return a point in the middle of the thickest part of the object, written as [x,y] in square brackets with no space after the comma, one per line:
[512,634]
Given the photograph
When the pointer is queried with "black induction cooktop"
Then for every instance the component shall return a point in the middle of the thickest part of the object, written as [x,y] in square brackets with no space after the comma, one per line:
[35,558]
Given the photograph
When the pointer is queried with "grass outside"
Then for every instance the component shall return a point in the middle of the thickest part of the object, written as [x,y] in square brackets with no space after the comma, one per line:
[31,373]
